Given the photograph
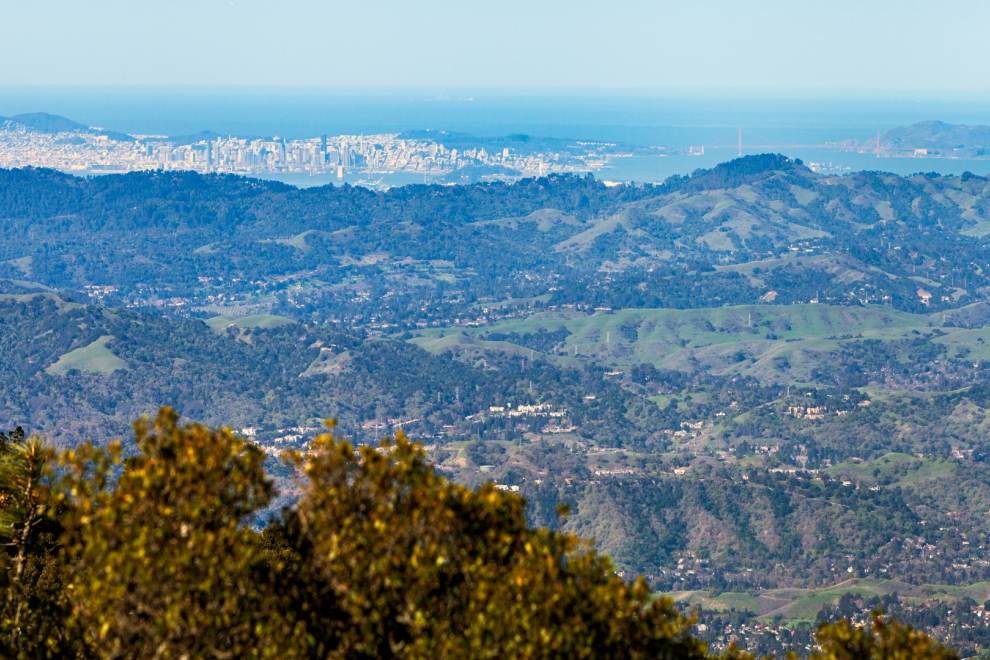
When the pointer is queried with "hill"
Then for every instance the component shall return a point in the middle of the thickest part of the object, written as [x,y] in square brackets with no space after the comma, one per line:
[43,122]
[940,137]
[760,229]
[81,371]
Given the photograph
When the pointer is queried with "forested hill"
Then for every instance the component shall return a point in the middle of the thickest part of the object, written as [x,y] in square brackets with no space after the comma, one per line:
[77,372]
[762,228]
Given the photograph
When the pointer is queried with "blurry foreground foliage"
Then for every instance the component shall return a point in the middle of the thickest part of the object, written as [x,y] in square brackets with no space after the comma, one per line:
[156,555]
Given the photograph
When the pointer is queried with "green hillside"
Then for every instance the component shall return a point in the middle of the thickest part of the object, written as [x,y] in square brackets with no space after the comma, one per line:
[94,358]
[747,340]
[221,323]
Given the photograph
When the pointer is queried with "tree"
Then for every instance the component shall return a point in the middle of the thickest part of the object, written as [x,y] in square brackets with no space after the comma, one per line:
[162,563]
[381,556]
[33,610]
[424,567]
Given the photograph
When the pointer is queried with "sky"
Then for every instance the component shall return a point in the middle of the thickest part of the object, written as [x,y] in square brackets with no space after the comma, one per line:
[864,46]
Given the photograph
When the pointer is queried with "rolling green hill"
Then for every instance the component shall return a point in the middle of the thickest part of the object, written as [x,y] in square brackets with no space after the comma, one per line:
[773,343]
[93,358]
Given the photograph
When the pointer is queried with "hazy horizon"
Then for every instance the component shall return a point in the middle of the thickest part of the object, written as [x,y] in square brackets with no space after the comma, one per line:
[775,47]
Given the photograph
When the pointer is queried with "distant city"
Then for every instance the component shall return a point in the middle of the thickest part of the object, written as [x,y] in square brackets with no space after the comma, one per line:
[50,141]
[381,160]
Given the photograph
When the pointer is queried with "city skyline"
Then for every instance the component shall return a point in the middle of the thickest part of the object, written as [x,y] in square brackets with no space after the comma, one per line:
[87,151]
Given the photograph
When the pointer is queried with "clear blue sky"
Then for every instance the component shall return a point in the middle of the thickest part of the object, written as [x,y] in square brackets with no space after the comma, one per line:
[759,45]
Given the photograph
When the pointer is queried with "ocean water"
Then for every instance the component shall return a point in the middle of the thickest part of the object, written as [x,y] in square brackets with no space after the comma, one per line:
[797,127]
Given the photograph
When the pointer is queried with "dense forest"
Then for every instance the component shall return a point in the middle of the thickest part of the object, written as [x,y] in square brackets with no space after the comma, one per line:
[759,228]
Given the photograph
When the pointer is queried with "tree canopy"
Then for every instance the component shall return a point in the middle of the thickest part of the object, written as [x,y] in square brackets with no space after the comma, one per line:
[169,550]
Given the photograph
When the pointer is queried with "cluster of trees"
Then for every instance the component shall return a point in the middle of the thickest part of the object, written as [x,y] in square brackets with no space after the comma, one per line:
[676,286]
[152,553]
[543,340]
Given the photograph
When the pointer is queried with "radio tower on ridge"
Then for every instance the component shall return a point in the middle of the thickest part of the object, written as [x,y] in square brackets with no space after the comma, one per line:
[740,142]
